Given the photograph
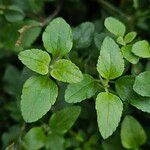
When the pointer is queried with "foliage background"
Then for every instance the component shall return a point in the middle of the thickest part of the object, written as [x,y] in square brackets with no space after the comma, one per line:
[84,134]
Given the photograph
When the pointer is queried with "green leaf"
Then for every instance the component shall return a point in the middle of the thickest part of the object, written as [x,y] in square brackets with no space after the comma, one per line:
[35,139]
[85,89]
[141,103]
[66,71]
[113,143]
[110,62]
[61,121]
[55,142]
[83,35]
[31,34]
[57,37]
[13,14]
[132,133]
[128,55]
[109,110]
[142,84]
[141,49]
[121,41]
[38,95]
[115,26]
[11,77]
[129,37]
[124,88]
[36,60]
[98,39]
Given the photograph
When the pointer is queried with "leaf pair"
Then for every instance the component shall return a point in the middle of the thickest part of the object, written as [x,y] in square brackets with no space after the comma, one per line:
[118,29]
[39,92]
[109,106]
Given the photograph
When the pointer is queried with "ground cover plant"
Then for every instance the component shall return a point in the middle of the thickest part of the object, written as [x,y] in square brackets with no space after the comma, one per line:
[75,75]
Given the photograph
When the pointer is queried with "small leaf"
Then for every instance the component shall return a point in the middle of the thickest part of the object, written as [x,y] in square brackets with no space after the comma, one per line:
[66,71]
[85,89]
[57,37]
[141,49]
[83,35]
[35,138]
[142,84]
[128,55]
[121,41]
[109,110]
[132,133]
[110,62]
[38,95]
[36,60]
[61,121]
[14,14]
[129,37]
[115,26]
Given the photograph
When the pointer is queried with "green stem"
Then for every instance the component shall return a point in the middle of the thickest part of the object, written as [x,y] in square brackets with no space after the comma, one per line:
[112,9]
[104,83]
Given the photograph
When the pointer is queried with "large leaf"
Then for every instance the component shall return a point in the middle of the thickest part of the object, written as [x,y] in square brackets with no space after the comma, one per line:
[128,55]
[34,139]
[115,26]
[36,60]
[83,35]
[38,95]
[85,89]
[57,37]
[66,71]
[110,62]
[142,84]
[61,121]
[141,49]
[109,110]
[132,133]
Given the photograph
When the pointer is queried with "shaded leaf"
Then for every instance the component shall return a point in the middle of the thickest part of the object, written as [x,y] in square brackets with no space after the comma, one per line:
[132,133]
[85,89]
[61,121]
[83,35]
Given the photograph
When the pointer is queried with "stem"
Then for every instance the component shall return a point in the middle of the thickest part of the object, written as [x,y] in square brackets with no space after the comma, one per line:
[112,9]
[41,24]
[56,11]
[104,83]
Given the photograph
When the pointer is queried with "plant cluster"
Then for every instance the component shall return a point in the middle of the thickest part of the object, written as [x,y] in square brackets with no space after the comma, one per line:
[80,88]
